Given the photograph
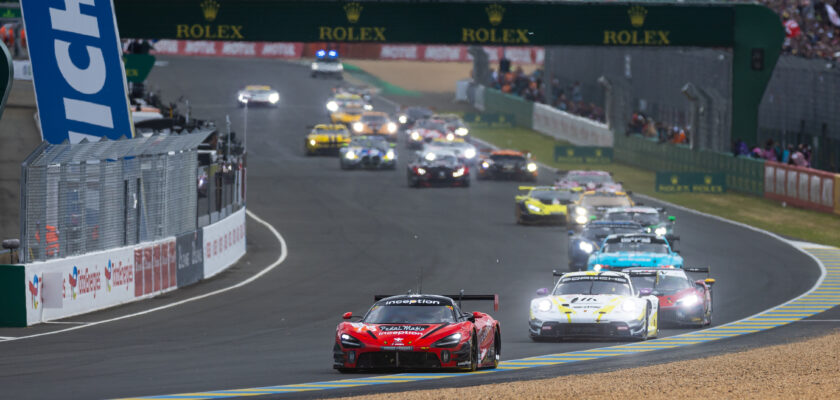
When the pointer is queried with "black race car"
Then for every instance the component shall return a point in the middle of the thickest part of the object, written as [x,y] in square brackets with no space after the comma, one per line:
[408,116]
[592,236]
[437,168]
[507,164]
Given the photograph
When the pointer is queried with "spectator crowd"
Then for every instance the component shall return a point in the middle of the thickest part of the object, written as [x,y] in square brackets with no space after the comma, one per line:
[812,27]
[646,126]
[799,156]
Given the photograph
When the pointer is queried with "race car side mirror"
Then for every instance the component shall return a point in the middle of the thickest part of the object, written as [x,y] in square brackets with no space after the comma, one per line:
[476,315]
[571,233]
[542,292]
[347,315]
[709,281]
[645,291]
[672,218]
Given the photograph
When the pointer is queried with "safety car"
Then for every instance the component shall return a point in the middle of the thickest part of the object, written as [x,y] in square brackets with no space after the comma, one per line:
[655,220]
[544,204]
[589,180]
[326,139]
[253,95]
[592,304]
[376,123]
[683,300]
[326,64]
[368,152]
[418,332]
[634,250]
[589,240]
[593,205]
[507,164]
[437,168]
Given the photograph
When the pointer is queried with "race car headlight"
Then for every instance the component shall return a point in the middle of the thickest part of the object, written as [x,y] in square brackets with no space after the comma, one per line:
[449,341]
[544,306]
[532,167]
[340,67]
[391,127]
[689,300]
[368,107]
[332,106]
[403,119]
[581,219]
[350,155]
[415,136]
[597,267]
[430,156]
[586,247]
[462,131]
[458,173]
[581,211]
[450,137]
[358,126]
[312,142]
[421,171]
[533,208]
[242,98]
[273,98]
[485,164]
[661,231]
[390,155]
[315,66]
[469,153]
[349,341]
[628,306]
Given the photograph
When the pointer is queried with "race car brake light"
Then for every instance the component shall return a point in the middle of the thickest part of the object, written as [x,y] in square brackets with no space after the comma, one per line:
[419,170]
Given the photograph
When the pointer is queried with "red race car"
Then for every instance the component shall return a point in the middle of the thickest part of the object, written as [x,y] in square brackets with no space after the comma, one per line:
[418,332]
[682,300]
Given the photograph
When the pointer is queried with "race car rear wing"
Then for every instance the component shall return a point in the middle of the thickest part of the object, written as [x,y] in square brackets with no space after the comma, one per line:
[704,270]
[459,297]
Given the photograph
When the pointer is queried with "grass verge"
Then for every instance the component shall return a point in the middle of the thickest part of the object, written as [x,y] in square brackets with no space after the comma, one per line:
[386,87]
[796,223]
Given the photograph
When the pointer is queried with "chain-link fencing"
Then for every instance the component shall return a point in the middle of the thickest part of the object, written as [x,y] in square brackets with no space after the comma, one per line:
[87,197]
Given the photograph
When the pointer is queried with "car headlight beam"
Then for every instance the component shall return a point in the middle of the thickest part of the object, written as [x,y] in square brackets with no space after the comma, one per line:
[469,153]
[581,211]
[533,208]
[532,167]
[689,300]
[586,247]
[628,306]
[403,119]
[332,106]
[544,306]
[449,341]
[358,126]
[391,127]
[430,156]
[390,155]
[274,98]
[350,155]
[661,231]
[461,131]
[581,219]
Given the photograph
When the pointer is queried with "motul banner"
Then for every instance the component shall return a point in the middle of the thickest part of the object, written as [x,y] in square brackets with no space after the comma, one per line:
[228,49]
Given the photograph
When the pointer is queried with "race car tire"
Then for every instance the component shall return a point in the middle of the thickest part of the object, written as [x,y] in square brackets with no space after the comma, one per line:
[466,183]
[474,353]
[646,324]
[497,348]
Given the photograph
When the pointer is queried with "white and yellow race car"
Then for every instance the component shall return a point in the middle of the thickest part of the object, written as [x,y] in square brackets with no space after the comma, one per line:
[593,304]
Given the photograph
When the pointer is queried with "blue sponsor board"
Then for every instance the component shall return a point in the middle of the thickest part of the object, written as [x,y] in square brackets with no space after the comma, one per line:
[77,69]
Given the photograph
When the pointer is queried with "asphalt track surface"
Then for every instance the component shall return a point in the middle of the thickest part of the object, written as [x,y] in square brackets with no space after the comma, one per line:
[350,235]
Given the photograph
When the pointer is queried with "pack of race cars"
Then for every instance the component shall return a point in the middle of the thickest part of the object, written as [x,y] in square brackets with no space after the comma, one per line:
[625,276]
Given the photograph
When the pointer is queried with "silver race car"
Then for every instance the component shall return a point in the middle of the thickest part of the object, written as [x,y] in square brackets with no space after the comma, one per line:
[257,95]
[592,304]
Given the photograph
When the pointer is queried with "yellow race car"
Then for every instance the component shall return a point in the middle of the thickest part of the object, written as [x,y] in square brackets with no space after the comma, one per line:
[545,204]
[346,108]
[326,139]
[376,123]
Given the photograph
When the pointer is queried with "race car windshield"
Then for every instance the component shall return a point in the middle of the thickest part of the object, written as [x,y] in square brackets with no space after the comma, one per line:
[431,125]
[354,103]
[656,248]
[445,158]
[605,201]
[330,131]
[642,218]
[663,283]
[413,314]
[506,158]
[418,112]
[593,287]
[561,196]
[597,233]
[368,142]
[375,119]
[589,178]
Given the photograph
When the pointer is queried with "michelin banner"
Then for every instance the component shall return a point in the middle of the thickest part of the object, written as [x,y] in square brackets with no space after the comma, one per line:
[78,285]
[224,243]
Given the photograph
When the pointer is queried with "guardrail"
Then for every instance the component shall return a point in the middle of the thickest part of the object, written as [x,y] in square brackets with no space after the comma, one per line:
[802,187]
[60,288]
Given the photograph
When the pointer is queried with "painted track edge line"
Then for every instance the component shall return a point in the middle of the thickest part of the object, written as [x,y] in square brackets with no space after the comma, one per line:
[283,254]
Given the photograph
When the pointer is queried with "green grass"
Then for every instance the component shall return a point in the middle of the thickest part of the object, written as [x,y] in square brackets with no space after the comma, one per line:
[791,222]
[386,87]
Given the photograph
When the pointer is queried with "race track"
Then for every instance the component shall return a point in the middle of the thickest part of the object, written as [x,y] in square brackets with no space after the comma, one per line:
[350,235]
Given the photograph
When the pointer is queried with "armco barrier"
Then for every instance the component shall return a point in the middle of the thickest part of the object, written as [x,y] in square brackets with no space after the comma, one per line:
[801,187]
[224,243]
[574,129]
[498,102]
[60,288]
[742,174]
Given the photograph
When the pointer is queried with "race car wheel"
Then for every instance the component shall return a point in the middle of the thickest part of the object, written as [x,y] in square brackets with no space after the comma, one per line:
[646,323]
[474,353]
[497,348]
[466,183]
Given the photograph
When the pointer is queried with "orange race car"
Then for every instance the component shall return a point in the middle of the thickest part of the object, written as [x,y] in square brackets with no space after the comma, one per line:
[508,164]
[376,123]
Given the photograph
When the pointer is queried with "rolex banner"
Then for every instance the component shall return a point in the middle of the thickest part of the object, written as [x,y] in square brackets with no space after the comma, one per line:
[583,154]
[695,182]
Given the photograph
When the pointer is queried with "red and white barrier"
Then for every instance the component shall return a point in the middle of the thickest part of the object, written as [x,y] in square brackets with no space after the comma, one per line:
[229,49]
[224,243]
[517,55]
[801,187]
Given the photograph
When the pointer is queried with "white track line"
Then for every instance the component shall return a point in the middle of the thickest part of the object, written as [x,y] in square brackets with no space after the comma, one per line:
[283,254]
